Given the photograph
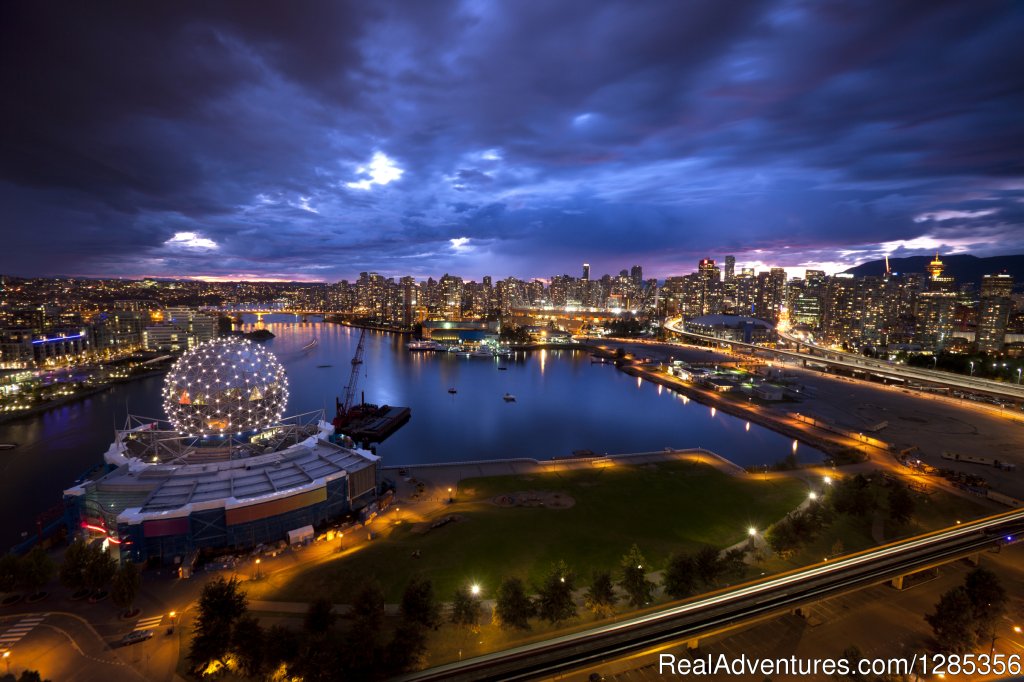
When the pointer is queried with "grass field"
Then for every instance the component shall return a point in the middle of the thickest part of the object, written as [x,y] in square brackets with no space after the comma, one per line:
[663,508]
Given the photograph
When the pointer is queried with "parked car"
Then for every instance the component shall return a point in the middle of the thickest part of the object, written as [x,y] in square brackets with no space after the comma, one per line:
[135,637]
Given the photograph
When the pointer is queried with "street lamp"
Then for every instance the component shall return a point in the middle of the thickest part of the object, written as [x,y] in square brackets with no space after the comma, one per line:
[812,496]
[1018,373]
[7,660]
[257,568]
[474,589]
[827,480]
[972,368]
[173,615]
[751,531]
[450,498]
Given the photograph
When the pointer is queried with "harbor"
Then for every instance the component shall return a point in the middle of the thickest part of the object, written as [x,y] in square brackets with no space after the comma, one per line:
[563,403]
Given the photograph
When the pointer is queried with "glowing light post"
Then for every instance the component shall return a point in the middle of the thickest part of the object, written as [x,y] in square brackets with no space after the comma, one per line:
[173,615]
[751,534]
[7,660]
[258,574]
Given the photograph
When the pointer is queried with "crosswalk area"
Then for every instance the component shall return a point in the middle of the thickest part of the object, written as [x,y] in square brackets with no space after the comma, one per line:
[148,623]
[14,634]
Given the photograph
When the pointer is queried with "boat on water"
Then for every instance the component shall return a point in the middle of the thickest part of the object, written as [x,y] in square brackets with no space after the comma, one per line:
[454,349]
[502,368]
[508,398]
[452,391]
[312,344]
[422,344]
[8,446]
[323,366]
[503,352]
[482,352]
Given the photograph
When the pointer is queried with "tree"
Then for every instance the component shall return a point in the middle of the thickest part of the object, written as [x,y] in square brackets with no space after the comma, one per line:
[852,655]
[125,586]
[853,496]
[465,608]
[221,604]
[72,569]
[368,609]
[901,503]
[554,600]
[513,607]
[634,578]
[319,616]
[406,648]
[37,569]
[707,564]
[600,597]
[953,622]
[26,676]
[280,647]
[988,601]
[680,577]
[248,642]
[732,564]
[363,648]
[100,568]
[418,604]
[10,572]
[784,537]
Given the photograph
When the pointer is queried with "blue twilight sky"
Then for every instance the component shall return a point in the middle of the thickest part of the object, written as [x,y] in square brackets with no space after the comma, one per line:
[317,140]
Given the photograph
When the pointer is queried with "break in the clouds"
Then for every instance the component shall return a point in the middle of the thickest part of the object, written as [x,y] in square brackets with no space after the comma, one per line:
[519,138]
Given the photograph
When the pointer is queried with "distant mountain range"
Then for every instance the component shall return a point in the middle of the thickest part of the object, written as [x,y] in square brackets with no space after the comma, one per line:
[963,267]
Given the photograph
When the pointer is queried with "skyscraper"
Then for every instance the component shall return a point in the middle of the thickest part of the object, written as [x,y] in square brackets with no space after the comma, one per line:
[994,311]
[636,273]
[586,272]
[730,268]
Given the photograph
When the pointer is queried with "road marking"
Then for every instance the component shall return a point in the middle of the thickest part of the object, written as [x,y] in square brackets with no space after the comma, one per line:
[14,633]
[147,623]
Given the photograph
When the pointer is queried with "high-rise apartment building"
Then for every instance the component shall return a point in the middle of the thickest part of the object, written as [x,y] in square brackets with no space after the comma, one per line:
[994,309]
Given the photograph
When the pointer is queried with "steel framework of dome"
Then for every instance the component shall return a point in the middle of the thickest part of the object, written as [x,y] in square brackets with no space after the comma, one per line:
[224,387]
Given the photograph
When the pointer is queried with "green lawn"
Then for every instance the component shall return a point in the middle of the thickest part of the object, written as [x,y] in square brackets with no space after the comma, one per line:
[664,508]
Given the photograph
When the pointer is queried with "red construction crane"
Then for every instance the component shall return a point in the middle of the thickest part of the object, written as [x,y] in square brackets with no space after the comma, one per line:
[344,407]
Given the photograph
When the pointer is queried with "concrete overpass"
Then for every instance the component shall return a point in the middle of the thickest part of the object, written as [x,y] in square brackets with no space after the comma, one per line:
[734,607]
[861,364]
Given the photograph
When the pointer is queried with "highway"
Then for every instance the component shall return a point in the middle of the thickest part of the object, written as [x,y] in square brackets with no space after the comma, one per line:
[865,364]
[733,606]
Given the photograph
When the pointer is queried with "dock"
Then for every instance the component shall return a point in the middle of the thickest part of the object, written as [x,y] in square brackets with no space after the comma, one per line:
[375,428]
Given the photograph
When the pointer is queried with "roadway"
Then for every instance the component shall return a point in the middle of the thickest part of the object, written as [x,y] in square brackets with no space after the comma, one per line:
[864,364]
[62,646]
[730,608]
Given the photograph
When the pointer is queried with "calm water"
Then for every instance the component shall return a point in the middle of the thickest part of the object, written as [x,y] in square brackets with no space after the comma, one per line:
[564,403]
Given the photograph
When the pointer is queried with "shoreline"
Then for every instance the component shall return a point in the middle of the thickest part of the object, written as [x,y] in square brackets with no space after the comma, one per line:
[37,410]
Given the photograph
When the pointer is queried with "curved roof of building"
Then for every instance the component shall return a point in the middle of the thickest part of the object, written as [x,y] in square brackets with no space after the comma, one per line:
[729,321]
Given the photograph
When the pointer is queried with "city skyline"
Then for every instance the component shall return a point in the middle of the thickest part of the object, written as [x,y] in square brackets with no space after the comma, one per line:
[490,140]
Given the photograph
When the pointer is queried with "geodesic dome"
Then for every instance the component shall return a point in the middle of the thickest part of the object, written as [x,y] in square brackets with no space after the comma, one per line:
[225,387]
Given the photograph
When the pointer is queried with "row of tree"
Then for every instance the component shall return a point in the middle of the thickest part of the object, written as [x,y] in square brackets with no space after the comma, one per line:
[854,496]
[88,568]
[227,634]
[554,603]
[29,573]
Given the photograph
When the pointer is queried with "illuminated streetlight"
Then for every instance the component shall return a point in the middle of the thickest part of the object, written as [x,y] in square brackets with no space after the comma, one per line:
[812,495]
[1016,628]
[828,480]
[751,531]
[474,589]
[7,660]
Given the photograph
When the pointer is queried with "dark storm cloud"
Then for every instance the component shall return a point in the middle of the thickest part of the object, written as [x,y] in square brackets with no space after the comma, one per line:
[319,140]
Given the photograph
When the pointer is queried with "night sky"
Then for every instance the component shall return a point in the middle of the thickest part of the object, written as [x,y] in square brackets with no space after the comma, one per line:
[317,140]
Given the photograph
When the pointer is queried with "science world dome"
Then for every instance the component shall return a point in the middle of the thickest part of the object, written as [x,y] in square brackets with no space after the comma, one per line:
[225,387]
